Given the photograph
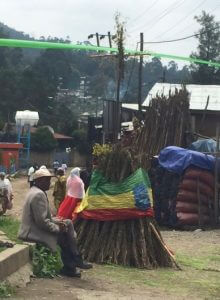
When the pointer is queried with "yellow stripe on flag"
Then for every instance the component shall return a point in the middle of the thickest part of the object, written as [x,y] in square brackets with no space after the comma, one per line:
[125,200]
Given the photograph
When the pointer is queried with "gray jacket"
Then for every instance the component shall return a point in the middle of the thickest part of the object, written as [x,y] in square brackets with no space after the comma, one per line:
[37,224]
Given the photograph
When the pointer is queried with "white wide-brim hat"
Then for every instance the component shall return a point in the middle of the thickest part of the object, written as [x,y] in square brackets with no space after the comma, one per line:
[42,173]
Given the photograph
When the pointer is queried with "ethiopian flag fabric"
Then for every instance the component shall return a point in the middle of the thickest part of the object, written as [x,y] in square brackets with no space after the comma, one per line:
[127,199]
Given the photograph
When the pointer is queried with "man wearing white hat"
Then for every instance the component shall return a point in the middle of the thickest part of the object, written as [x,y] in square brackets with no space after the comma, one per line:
[38,226]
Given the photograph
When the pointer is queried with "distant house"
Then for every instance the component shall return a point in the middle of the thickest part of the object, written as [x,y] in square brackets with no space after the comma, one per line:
[204,103]
[62,140]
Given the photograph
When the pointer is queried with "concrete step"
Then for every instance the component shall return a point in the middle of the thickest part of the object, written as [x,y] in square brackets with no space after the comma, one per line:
[12,259]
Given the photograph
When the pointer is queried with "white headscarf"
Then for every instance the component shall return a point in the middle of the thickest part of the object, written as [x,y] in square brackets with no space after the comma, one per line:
[43,167]
[75,172]
[75,185]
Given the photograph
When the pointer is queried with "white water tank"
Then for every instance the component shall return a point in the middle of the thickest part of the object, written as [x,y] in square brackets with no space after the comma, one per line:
[26,117]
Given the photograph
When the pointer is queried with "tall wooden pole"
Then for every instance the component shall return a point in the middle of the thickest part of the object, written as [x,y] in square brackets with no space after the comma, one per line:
[97,39]
[216,204]
[140,73]
[109,39]
[118,106]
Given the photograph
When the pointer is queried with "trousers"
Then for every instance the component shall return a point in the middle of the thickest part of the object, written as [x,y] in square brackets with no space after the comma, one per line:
[68,244]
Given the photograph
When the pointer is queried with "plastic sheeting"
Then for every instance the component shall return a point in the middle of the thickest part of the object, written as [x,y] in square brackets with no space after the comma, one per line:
[176,159]
[208,145]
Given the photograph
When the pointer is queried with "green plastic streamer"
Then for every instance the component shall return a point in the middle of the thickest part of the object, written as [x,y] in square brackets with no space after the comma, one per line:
[49,45]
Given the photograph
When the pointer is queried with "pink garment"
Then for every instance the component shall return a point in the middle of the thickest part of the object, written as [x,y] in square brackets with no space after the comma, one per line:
[75,187]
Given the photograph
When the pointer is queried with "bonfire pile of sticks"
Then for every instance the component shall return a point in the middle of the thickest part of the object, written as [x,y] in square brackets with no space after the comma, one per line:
[137,242]
[167,122]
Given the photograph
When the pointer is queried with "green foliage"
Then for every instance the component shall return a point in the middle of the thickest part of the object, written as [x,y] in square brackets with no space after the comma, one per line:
[35,80]
[43,140]
[6,290]
[208,49]
[80,141]
[10,227]
[45,263]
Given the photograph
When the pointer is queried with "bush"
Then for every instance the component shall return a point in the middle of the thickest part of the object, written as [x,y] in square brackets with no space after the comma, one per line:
[80,141]
[43,140]
[6,290]
[45,263]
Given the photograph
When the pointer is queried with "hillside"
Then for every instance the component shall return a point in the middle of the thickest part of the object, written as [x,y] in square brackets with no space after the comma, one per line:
[29,55]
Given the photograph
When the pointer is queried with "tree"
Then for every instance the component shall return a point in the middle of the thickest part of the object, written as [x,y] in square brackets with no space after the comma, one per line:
[10,69]
[208,49]
[43,140]
[80,141]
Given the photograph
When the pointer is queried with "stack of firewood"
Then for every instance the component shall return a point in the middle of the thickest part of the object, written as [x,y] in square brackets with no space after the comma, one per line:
[167,121]
[137,242]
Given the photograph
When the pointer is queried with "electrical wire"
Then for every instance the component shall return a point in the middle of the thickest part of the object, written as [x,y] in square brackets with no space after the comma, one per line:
[181,39]
[153,19]
[182,19]
[144,12]
[191,24]
[167,13]
[160,16]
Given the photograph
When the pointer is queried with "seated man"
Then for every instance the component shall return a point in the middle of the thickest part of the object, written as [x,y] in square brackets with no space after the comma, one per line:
[38,226]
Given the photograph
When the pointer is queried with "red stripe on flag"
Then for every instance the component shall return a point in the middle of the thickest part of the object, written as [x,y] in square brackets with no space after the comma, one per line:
[115,214]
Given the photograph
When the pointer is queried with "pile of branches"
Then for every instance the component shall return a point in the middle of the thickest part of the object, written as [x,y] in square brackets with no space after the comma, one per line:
[135,243]
[167,122]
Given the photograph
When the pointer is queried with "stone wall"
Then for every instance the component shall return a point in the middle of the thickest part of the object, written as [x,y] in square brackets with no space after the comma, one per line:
[47,158]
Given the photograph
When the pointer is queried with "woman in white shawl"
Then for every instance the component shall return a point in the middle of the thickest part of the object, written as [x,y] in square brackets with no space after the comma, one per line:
[74,194]
[6,194]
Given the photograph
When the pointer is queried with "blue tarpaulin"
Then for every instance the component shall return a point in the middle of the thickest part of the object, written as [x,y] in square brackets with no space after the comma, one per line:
[208,145]
[176,159]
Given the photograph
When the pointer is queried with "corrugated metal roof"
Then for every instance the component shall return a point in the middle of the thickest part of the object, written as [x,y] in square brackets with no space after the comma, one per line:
[132,106]
[198,94]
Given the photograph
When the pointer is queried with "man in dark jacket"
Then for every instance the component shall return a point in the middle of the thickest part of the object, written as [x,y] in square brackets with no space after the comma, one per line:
[38,226]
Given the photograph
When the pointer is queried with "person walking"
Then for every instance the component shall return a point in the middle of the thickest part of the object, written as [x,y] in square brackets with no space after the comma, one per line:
[59,191]
[31,172]
[6,194]
[74,194]
[64,167]
[38,226]
[56,165]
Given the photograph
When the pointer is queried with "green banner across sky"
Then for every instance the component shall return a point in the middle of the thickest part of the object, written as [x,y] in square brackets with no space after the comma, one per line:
[49,45]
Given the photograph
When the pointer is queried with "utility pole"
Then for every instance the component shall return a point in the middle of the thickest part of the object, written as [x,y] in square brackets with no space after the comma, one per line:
[97,39]
[140,73]
[110,39]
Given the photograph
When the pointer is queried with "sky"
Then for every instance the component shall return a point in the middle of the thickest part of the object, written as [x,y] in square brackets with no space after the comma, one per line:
[158,19]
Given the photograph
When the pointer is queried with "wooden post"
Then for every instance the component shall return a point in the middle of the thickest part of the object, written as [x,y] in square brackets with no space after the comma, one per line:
[140,73]
[118,107]
[109,39]
[216,204]
[97,39]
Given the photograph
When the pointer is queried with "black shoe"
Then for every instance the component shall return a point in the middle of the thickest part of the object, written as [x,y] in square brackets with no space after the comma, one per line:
[82,264]
[70,272]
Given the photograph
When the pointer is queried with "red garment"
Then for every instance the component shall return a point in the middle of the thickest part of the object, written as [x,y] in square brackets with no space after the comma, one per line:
[67,207]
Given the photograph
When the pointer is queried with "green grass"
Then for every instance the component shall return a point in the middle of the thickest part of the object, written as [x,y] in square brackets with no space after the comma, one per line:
[6,290]
[10,227]
[195,279]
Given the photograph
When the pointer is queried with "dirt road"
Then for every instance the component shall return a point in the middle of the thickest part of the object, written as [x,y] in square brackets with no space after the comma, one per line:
[197,252]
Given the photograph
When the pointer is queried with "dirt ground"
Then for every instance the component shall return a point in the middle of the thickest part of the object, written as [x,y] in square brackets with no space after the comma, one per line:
[198,254]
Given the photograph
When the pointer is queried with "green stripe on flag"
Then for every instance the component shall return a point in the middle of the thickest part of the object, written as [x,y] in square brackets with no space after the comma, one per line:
[101,186]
